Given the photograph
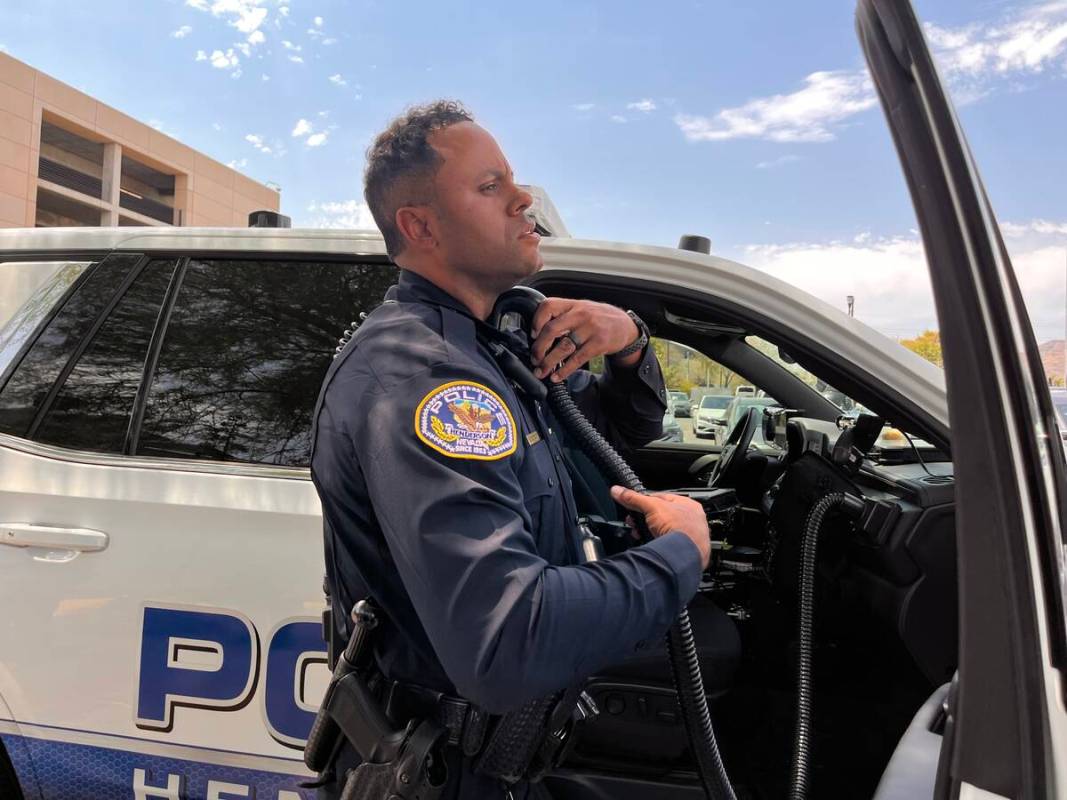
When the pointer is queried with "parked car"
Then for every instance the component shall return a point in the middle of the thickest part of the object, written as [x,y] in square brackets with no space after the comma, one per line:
[679,402]
[710,414]
[672,431]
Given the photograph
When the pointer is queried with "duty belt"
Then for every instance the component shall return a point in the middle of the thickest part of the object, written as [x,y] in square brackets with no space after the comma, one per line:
[465,722]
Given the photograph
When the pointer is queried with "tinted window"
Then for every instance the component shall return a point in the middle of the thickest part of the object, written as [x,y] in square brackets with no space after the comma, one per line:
[28,386]
[244,355]
[29,290]
[92,410]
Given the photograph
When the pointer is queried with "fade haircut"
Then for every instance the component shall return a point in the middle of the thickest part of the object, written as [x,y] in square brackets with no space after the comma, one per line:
[402,164]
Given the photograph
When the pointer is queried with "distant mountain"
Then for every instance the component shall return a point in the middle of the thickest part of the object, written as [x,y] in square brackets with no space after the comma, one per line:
[1052,358]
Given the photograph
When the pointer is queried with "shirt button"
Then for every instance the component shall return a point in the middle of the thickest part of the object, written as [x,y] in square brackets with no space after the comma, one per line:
[558,458]
[645,369]
[551,482]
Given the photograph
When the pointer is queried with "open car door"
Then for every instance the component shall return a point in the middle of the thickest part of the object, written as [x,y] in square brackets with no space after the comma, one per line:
[1004,727]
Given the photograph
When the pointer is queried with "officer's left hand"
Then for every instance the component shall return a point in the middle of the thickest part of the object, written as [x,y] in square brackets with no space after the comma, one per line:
[568,333]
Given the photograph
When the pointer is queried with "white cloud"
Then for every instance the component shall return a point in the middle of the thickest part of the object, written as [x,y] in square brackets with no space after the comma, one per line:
[182,32]
[318,22]
[264,77]
[328,41]
[200,5]
[296,59]
[283,10]
[1040,227]
[337,80]
[806,115]
[258,142]
[256,37]
[781,161]
[244,15]
[238,164]
[316,139]
[302,128]
[584,106]
[245,48]
[1029,42]
[346,214]
[201,55]
[618,118]
[216,126]
[971,59]
[645,106]
[221,60]
[290,46]
[888,276]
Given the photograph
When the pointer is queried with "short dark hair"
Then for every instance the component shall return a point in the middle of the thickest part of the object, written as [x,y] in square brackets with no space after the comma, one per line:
[401,164]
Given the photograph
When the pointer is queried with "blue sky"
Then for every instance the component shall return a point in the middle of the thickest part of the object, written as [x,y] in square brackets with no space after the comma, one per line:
[751,123]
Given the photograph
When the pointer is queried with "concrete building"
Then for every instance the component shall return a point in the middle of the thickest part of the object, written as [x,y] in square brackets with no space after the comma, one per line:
[67,159]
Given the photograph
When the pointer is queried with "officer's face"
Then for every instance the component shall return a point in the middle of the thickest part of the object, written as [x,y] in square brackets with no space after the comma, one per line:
[481,226]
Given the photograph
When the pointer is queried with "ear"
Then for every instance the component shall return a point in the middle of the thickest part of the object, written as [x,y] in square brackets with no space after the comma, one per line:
[415,224]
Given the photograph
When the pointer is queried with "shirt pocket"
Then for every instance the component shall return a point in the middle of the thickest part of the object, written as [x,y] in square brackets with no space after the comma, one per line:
[540,495]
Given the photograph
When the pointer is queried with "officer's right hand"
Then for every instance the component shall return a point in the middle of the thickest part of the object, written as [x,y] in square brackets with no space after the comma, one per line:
[669,512]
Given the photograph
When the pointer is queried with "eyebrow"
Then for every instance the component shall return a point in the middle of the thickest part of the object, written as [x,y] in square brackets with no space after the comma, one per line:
[497,174]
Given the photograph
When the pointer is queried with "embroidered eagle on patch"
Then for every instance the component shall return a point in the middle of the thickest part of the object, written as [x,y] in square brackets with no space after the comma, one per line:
[464,419]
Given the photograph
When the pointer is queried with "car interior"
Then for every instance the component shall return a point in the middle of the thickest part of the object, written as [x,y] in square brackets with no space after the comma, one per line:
[885,622]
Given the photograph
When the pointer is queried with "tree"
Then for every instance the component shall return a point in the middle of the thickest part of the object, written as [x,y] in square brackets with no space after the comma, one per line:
[928,345]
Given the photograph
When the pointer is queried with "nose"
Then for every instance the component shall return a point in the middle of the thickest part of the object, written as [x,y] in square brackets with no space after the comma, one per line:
[523,200]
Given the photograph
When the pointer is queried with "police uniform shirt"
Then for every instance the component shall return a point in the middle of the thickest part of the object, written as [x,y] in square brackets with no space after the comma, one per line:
[445,498]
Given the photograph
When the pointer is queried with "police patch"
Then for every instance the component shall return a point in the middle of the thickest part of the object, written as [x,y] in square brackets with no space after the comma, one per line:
[463,419]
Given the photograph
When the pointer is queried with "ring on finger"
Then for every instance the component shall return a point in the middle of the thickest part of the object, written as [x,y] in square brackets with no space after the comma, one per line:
[574,339]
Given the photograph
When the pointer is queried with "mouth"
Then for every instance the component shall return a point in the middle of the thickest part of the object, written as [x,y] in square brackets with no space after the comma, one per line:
[528,233]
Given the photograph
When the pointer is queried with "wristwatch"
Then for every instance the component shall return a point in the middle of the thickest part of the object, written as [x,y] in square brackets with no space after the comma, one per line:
[639,343]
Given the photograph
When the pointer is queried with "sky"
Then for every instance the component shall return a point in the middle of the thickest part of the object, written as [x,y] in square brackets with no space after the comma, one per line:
[754,124]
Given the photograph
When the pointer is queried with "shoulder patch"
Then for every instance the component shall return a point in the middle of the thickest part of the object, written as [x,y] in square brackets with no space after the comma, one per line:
[464,419]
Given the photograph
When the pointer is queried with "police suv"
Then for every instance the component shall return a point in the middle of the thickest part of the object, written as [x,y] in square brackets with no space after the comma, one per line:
[161,542]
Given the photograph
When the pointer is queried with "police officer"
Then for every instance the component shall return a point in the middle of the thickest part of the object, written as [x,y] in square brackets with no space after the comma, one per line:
[443,486]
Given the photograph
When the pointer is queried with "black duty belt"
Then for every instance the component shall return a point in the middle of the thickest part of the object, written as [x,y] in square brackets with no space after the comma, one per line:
[466,723]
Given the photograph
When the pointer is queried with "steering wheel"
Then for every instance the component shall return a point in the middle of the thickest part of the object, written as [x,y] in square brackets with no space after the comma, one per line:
[728,467]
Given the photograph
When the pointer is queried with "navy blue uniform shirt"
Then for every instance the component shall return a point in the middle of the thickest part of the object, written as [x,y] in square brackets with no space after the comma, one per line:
[445,498]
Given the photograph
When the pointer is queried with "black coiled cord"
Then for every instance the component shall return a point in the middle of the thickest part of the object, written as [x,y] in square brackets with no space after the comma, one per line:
[803,735]
[681,647]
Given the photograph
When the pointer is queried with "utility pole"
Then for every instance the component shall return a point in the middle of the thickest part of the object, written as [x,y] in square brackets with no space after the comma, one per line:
[851,301]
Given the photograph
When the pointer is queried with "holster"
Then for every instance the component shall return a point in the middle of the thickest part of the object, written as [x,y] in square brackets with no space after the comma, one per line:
[418,772]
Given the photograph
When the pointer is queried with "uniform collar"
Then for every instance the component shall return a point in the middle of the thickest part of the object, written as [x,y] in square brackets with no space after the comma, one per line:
[413,288]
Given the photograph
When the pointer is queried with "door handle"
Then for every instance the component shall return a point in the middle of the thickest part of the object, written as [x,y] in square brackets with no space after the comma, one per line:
[24,534]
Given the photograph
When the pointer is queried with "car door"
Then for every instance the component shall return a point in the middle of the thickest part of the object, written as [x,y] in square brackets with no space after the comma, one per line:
[1006,730]
[164,557]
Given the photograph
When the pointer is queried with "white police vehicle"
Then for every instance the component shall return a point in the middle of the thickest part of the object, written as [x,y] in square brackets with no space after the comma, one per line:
[160,539]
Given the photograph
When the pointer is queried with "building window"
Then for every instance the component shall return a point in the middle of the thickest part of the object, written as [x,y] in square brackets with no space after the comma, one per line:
[146,191]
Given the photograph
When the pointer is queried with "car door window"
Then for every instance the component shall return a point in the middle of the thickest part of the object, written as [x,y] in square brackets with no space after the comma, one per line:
[32,378]
[244,354]
[93,408]
[701,394]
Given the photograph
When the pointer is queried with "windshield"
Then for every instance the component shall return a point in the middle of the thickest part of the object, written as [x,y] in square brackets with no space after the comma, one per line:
[714,402]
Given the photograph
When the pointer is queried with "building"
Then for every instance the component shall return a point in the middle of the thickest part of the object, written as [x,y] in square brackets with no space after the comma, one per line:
[67,159]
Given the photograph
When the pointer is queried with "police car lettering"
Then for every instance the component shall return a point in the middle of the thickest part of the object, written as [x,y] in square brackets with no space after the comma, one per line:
[210,659]
[464,419]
